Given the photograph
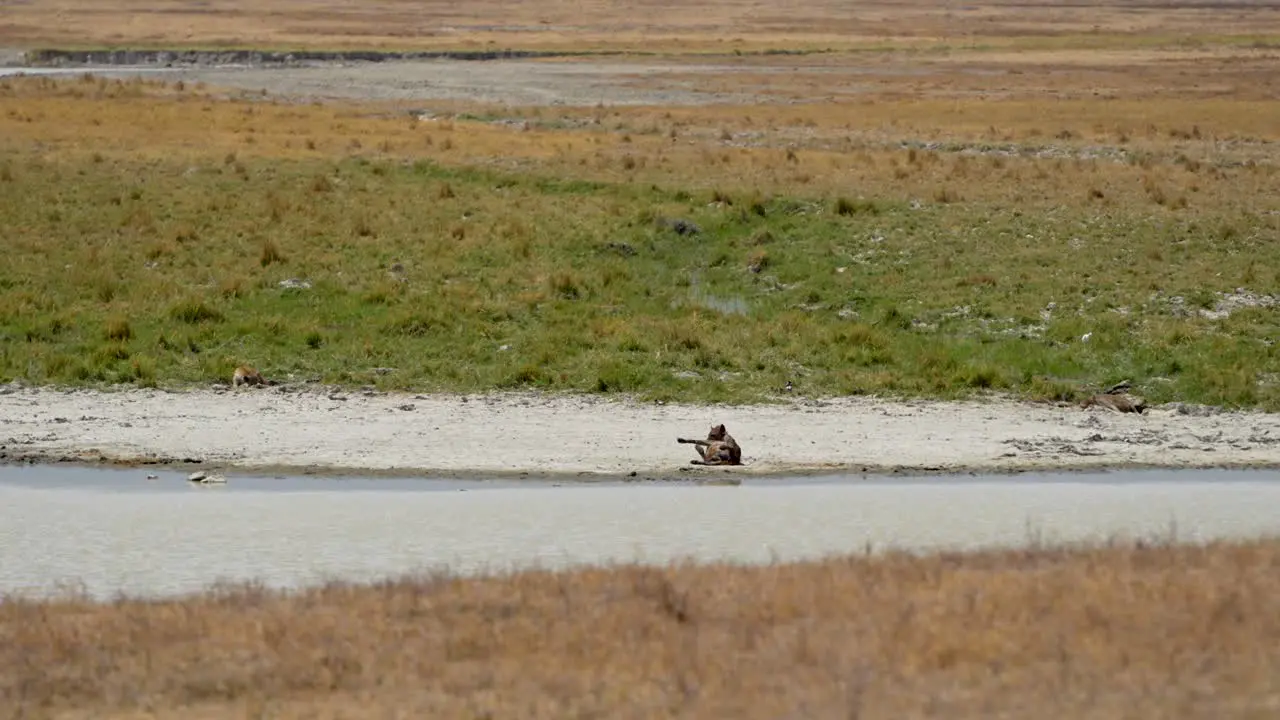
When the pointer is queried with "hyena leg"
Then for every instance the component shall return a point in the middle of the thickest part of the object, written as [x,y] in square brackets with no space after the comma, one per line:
[713,454]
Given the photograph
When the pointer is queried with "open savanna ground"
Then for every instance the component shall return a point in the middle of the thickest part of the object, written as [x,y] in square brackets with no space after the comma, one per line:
[716,26]
[1116,631]
[161,234]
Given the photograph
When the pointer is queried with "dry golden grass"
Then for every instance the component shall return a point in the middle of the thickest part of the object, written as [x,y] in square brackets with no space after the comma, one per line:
[1109,632]
[1170,152]
[719,25]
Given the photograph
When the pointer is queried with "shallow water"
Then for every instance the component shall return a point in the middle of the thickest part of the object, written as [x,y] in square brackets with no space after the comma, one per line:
[106,531]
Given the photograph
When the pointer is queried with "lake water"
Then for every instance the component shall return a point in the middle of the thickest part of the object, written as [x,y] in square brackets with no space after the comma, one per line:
[107,531]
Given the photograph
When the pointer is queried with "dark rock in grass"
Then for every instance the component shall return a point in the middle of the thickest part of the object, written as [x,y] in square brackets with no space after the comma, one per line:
[623,249]
[680,226]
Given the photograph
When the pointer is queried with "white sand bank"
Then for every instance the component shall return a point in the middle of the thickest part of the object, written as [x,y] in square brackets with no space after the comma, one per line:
[517,433]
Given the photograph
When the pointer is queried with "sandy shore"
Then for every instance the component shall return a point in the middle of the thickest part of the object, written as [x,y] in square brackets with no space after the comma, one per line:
[332,431]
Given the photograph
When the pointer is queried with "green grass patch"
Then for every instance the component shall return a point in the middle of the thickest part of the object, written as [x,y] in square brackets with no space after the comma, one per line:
[367,272]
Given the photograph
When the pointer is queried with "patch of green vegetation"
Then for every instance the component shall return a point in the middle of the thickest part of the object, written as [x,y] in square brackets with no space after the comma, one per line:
[370,272]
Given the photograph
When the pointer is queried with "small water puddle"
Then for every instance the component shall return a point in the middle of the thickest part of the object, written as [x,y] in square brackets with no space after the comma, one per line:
[113,530]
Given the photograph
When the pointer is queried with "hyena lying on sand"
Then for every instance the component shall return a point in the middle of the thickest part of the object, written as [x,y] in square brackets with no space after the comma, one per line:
[1117,398]
[718,449]
[1119,403]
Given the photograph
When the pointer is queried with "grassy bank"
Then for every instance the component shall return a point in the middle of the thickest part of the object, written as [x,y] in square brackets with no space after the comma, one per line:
[1106,632]
[162,236]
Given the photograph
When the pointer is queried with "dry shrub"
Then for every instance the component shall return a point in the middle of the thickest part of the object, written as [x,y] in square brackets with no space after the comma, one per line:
[362,227]
[321,183]
[194,311]
[946,195]
[118,328]
[1154,190]
[978,280]
[270,253]
[231,287]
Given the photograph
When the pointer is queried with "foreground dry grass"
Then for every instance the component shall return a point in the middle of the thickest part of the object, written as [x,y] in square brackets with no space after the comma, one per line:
[1107,632]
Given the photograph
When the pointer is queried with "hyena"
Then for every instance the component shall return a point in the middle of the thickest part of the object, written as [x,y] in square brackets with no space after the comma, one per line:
[1117,398]
[246,375]
[1120,403]
[718,449]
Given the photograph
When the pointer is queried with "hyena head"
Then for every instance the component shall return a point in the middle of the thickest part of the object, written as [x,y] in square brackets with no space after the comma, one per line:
[717,432]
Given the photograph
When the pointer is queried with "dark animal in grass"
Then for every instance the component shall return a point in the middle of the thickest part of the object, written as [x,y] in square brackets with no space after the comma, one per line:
[718,449]
[1118,399]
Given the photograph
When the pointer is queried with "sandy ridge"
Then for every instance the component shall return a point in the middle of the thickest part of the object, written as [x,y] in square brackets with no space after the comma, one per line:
[329,430]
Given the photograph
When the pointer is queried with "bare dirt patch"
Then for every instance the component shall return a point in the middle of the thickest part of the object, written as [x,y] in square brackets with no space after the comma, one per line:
[502,82]
[673,80]
[591,435]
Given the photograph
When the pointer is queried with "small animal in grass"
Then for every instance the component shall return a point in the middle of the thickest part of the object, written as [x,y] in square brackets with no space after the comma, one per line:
[718,449]
[1117,398]
[246,375]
